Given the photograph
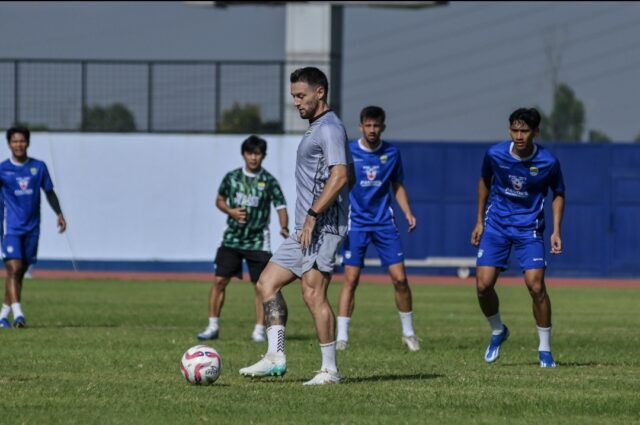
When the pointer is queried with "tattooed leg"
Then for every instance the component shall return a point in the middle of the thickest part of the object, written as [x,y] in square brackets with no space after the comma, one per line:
[275,311]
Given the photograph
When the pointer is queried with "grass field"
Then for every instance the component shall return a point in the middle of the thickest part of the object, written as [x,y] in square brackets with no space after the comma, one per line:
[108,352]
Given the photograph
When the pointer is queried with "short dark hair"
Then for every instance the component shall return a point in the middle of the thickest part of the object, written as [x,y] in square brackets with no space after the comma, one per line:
[253,143]
[18,129]
[529,116]
[373,113]
[312,76]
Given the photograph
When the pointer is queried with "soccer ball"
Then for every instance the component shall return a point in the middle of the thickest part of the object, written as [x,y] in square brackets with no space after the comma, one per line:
[201,365]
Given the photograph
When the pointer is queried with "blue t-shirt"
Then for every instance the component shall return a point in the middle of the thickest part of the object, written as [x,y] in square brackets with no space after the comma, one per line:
[21,184]
[519,186]
[370,196]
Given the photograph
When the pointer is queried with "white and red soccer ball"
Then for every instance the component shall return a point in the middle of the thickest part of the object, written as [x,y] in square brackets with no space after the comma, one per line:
[201,365]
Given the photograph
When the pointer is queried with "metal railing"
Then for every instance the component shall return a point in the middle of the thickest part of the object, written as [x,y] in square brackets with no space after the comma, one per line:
[143,96]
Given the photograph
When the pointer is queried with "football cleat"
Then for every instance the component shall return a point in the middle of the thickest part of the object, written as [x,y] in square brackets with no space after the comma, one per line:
[341,345]
[546,359]
[208,334]
[493,350]
[20,322]
[258,336]
[411,342]
[323,377]
[4,323]
[270,365]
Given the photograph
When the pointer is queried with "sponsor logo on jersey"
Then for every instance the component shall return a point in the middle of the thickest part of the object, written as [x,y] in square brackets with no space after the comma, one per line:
[371,171]
[23,184]
[518,183]
[243,200]
[533,171]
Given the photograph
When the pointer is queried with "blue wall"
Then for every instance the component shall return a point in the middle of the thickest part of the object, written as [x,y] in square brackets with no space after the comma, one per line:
[601,226]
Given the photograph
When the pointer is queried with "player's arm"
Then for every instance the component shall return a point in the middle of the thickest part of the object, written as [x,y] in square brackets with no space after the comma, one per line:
[403,201]
[557,208]
[283,217]
[238,214]
[483,194]
[52,198]
[338,179]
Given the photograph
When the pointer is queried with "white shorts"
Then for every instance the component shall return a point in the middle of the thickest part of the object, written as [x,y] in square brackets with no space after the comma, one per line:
[322,253]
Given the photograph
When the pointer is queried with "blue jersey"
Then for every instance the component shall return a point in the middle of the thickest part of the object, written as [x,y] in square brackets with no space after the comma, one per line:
[370,197]
[21,184]
[519,185]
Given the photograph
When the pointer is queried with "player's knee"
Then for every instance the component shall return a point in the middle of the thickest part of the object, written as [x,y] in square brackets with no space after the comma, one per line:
[312,296]
[400,283]
[537,290]
[484,287]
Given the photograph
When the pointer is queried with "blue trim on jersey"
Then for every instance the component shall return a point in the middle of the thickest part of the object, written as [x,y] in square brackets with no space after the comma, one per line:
[519,185]
[372,193]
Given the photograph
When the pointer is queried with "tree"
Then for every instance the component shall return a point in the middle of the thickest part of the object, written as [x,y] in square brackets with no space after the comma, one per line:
[114,118]
[637,139]
[246,119]
[597,136]
[567,117]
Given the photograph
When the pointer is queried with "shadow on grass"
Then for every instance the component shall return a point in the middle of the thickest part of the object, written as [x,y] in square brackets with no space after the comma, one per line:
[379,378]
[563,364]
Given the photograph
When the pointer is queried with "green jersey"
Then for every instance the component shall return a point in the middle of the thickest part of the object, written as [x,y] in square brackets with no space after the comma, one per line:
[255,193]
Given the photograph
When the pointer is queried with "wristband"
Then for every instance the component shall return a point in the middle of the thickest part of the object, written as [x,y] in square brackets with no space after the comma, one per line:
[312,213]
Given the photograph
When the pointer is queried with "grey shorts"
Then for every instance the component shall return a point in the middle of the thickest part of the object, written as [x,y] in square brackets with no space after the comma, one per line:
[322,253]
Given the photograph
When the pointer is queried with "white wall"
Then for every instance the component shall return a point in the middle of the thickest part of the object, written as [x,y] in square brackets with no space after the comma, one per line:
[146,197]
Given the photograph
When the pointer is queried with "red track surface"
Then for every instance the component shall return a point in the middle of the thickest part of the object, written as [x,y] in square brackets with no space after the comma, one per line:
[368,278]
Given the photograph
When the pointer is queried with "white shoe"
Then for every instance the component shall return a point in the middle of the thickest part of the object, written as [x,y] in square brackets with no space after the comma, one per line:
[411,342]
[323,377]
[208,334]
[258,336]
[341,345]
[270,365]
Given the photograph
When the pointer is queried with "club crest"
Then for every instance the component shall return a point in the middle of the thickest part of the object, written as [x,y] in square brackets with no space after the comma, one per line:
[517,182]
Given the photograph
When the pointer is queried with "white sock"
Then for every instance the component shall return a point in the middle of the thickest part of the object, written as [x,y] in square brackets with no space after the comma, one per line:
[4,313]
[275,339]
[259,328]
[328,356]
[545,338]
[343,328]
[213,323]
[17,310]
[406,318]
[496,324]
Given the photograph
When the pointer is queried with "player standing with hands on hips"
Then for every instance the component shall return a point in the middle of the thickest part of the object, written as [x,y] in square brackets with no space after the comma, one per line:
[21,179]
[516,176]
[323,170]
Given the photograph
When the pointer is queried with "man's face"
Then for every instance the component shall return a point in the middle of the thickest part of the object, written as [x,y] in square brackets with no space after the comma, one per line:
[372,130]
[521,134]
[253,159]
[306,98]
[18,145]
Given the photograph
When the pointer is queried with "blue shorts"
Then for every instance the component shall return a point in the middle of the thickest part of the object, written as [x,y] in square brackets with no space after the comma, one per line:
[21,247]
[496,243]
[386,241]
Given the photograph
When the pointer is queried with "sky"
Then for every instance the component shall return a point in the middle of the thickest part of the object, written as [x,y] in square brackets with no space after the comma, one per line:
[447,73]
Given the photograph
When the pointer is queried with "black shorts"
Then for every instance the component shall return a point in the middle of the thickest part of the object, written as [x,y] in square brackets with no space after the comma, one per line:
[228,262]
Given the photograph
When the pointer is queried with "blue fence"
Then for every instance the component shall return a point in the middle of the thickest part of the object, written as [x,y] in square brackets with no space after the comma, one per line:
[601,227]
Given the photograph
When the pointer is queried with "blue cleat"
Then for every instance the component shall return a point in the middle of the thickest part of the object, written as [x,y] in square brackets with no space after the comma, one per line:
[546,359]
[4,324]
[20,322]
[208,334]
[493,350]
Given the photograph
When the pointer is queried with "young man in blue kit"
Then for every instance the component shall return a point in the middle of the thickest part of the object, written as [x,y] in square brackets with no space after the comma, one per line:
[516,176]
[379,173]
[21,179]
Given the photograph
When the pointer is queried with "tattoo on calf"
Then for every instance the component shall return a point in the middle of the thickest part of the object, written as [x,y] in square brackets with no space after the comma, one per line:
[275,311]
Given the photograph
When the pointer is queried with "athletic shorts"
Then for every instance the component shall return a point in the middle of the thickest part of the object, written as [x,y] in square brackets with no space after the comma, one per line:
[321,254]
[21,247]
[496,243]
[386,241]
[228,262]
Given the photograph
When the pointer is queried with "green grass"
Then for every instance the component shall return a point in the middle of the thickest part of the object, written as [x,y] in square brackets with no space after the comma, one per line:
[108,352]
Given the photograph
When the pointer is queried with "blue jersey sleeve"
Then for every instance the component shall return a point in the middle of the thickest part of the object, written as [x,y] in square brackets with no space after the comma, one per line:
[487,170]
[398,171]
[556,181]
[47,183]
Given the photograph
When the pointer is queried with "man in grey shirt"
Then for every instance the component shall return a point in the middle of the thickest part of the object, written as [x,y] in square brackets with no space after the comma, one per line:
[324,169]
